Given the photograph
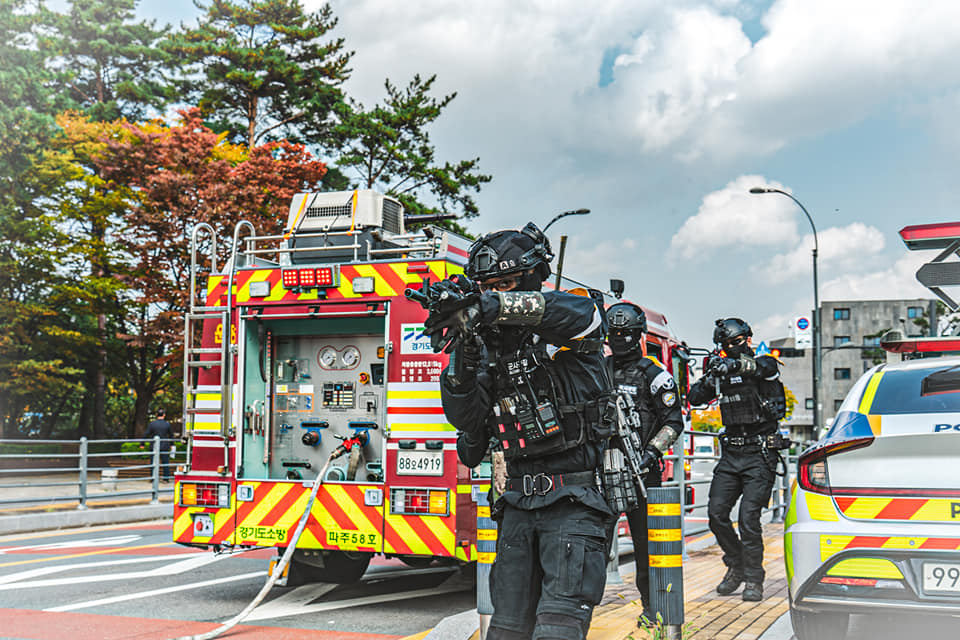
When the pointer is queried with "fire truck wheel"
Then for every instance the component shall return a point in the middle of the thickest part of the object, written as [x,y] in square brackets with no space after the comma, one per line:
[339,567]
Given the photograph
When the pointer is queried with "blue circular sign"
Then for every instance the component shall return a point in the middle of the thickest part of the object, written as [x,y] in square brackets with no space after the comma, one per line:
[802,323]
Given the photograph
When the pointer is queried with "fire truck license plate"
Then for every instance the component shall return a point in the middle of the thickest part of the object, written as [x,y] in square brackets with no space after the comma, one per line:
[941,577]
[419,463]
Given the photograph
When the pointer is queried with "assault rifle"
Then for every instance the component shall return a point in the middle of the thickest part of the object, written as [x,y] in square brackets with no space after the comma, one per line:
[442,297]
[622,475]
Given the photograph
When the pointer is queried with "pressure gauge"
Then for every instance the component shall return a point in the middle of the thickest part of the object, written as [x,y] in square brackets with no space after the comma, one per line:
[327,357]
[350,357]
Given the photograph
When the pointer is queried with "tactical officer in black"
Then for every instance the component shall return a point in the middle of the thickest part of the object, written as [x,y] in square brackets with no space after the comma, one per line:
[654,393]
[536,383]
[751,403]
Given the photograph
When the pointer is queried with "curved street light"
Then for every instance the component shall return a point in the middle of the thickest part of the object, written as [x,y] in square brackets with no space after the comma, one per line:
[817,335]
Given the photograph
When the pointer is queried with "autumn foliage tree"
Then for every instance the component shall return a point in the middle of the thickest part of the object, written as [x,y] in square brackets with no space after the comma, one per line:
[173,178]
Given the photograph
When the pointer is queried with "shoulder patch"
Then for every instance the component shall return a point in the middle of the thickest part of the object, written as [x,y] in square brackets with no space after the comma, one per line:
[663,381]
[669,398]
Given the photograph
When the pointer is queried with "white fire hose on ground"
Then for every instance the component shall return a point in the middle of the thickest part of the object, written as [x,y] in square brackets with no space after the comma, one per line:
[277,570]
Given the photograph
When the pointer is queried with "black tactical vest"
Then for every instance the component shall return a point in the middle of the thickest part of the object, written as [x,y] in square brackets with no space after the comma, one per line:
[751,401]
[634,378]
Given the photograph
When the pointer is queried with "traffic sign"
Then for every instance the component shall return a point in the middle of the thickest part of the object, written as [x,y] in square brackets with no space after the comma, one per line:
[802,333]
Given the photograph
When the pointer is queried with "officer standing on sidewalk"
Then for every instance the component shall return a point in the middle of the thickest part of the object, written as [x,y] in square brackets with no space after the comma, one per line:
[531,375]
[161,427]
[654,393]
[751,403]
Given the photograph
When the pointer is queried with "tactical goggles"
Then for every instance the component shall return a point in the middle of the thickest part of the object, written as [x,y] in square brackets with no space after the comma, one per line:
[501,284]
[739,341]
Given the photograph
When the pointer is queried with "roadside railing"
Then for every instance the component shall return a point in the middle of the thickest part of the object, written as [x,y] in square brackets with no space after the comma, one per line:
[46,472]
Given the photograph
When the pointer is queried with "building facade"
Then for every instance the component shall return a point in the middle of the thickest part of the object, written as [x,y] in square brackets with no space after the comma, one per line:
[851,331]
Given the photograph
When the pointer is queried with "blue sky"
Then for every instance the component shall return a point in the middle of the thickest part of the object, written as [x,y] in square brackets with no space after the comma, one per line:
[659,116]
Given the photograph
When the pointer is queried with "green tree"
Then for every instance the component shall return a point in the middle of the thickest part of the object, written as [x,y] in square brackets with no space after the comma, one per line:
[263,69]
[389,148]
[107,63]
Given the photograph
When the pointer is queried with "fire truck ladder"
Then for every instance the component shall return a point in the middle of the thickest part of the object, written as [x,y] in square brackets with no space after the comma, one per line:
[195,356]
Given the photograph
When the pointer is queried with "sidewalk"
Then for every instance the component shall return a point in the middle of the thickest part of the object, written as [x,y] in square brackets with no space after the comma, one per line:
[708,616]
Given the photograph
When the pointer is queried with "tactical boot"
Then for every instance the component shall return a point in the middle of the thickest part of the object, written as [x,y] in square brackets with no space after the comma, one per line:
[730,583]
[647,618]
[753,591]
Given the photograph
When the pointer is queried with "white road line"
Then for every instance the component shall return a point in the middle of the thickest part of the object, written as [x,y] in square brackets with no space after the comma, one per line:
[293,603]
[265,612]
[92,542]
[155,592]
[175,568]
[43,571]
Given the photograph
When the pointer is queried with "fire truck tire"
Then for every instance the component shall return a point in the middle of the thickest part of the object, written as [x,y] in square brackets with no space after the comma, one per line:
[339,567]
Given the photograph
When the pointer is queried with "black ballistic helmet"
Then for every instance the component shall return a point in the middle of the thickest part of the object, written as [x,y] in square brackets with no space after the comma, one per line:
[627,324]
[728,329]
[508,252]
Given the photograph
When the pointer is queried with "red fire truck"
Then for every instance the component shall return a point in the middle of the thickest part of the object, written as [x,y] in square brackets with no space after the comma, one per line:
[301,345]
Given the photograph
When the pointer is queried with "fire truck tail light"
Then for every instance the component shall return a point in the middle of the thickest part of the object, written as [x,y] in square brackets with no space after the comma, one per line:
[308,278]
[291,278]
[325,277]
[204,494]
[422,502]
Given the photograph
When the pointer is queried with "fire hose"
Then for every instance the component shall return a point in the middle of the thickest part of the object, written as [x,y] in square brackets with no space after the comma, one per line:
[281,566]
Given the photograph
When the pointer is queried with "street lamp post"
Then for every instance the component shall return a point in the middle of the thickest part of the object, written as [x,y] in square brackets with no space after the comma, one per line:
[817,334]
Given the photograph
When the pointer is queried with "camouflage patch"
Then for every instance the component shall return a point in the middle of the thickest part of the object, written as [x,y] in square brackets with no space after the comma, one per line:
[664,439]
[520,307]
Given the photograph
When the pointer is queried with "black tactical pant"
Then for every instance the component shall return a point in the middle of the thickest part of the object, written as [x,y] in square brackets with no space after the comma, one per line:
[549,572]
[748,472]
[639,533]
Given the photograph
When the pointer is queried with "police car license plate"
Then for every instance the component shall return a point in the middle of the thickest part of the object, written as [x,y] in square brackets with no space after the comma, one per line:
[419,463]
[940,577]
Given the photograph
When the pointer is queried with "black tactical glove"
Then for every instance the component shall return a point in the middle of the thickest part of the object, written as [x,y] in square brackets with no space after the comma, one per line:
[446,330]
[717,367]
[465,361]
[649,461]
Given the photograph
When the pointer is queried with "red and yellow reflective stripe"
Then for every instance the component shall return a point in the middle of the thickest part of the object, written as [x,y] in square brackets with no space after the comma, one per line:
[390,279]
[916,509]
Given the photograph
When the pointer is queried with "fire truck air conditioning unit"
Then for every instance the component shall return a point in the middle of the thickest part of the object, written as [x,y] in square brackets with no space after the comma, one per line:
[344,210]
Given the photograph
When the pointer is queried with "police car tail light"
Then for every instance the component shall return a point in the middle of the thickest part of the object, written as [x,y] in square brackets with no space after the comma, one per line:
[812,466]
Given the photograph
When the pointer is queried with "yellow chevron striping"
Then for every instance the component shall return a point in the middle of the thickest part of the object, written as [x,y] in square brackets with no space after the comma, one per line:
[832,544]
[937,510]
[260,275]
[266,503]
[400,269]
[866,508]
[441,530]
[277,292]
[406,533]
[183,523]
[820,507]
[904,543]
[353,509]
[381,286]
[870,392]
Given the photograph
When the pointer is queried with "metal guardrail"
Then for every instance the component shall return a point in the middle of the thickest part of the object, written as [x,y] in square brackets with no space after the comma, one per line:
[84,466]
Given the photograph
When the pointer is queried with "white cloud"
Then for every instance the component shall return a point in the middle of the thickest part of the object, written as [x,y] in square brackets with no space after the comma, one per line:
[896,282]
[840,249]
[734,217]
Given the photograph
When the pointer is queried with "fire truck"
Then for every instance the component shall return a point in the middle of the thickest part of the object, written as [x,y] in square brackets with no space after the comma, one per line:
[300,347]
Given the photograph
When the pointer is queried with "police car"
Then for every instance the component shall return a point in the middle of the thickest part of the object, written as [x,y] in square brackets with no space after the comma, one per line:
[874,519]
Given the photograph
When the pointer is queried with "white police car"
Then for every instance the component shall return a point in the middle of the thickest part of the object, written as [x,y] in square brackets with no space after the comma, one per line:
[874,520]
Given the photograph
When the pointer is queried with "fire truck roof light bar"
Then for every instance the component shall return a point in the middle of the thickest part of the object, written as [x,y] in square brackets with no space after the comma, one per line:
[930,236]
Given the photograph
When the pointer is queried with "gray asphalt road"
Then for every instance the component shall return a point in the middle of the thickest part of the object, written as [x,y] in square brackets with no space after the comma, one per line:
[136,572]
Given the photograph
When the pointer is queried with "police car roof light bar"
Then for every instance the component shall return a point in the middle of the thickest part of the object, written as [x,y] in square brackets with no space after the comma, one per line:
[930,236]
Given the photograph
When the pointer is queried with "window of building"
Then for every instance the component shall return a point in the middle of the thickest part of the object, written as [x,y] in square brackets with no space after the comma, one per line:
[836,404]
[839,340]
[808,403]
[841,314]
[841,373]
[914,312]
[872,341]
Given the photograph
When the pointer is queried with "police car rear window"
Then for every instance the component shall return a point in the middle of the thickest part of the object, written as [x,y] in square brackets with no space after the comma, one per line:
[918,391]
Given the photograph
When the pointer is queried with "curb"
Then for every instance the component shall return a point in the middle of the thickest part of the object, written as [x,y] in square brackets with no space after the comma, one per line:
[50,521]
